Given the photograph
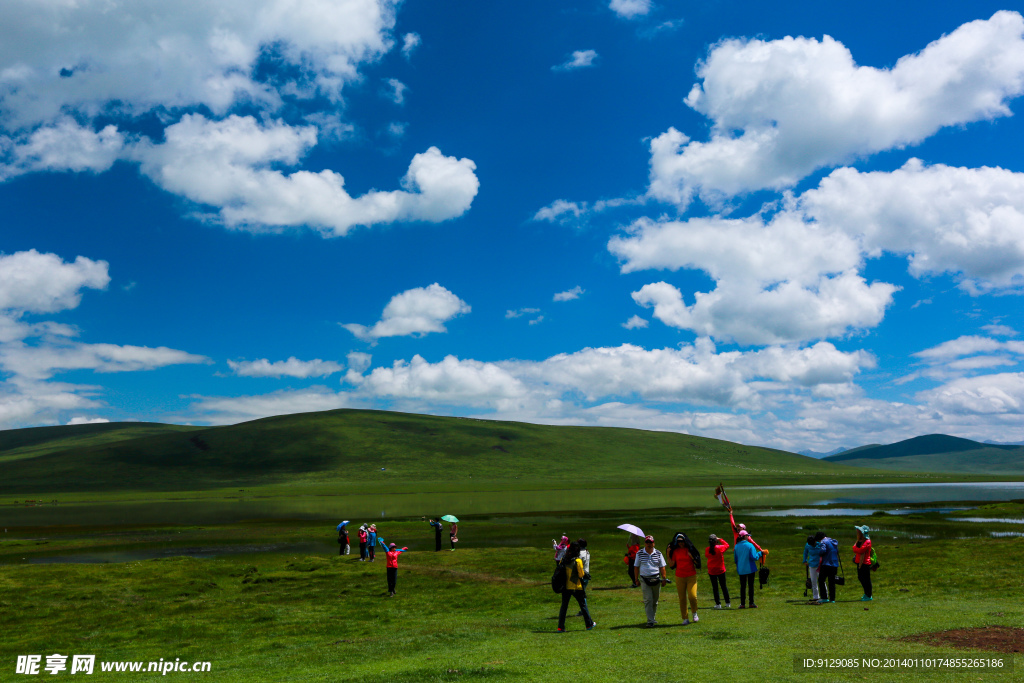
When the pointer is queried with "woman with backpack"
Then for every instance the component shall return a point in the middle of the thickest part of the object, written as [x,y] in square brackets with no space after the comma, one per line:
[828,568]
[572,565]
[685,559]
[716,567]
[862,558]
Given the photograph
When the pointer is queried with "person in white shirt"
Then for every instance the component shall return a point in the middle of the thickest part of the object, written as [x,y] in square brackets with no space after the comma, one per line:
[585,557]
[650,564]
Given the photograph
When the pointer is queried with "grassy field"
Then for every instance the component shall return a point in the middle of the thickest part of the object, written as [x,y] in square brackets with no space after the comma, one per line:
[349,451]
[485,611]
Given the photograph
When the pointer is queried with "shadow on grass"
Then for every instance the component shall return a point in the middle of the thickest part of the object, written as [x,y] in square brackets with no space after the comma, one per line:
[612,588]
[643,625]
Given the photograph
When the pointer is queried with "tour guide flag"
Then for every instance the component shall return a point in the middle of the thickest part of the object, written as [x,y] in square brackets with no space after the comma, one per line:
[722,498]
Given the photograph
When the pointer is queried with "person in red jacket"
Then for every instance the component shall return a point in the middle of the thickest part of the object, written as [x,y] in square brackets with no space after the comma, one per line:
[632,548]
[715,554]
[737,528]
[392,567]
[862,558]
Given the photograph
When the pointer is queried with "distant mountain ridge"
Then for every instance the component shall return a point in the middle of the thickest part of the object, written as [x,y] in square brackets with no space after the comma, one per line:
[819,454]
[937,453]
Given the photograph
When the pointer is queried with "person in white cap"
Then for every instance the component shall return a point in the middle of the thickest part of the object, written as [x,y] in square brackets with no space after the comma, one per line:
[862,558]
[650,564]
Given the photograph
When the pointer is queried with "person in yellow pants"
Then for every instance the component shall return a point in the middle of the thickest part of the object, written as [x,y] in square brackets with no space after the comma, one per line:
[684,557]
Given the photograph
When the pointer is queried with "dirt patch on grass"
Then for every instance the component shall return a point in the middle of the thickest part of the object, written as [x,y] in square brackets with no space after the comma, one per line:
[994,638]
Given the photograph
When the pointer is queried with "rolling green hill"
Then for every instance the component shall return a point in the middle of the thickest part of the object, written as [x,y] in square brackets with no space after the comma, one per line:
[368,451]
[35,441]
[937,453]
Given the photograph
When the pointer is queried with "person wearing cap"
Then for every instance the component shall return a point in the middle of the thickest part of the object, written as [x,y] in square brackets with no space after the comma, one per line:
[737,528]
[572,565]
[746,557]
[650,565]
[371,541]
[862,558]
[715,554]
[392,565]
[684,557]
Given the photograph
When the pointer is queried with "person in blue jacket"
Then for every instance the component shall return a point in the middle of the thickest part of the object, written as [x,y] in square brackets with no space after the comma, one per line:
[371,541]
[829,548]
[812,560]
[746,556]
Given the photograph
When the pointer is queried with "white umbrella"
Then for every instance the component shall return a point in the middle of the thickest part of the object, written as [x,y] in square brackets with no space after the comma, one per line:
[632,528]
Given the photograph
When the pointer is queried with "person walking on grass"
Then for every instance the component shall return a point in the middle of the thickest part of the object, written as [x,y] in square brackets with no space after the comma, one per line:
[585,559]
[363,535]
[862,558]
[828,568]
[632,548]
[436,523]
[371,541]
[453,534]
[715,554]
[684,557]
[650,566]
[812,560]
[572,565]
[746,557]
[343,545]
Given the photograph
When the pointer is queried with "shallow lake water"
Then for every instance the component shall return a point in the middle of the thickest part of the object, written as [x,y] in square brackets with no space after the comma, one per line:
[383,506]
[852,512]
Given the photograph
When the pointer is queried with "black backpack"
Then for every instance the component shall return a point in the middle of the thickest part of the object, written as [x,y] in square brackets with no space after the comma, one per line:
[558,579]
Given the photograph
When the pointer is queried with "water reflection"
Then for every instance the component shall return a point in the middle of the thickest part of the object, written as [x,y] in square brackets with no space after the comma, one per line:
[392,505]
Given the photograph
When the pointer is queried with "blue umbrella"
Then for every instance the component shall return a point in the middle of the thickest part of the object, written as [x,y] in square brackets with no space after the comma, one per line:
[342,524]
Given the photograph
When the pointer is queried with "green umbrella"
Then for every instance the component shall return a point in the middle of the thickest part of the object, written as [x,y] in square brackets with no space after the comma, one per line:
[451,518]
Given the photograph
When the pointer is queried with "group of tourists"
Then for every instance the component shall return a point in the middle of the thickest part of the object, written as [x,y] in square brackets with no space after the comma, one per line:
[821,557]
[368,540]
[453,531]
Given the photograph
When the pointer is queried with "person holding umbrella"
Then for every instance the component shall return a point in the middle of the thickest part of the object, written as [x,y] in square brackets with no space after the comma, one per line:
[436,523]
[632,548]
[343,546]
[453,529]
[650,564]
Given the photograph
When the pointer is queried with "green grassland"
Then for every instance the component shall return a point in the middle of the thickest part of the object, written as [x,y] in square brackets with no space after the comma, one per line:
[485,611]
[346,450]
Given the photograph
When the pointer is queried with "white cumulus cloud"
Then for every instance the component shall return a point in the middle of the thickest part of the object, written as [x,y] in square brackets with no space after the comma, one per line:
[293,367]
[630,9]
[44,283]
[569,294]
[226,164]
[579,59]
[781,109]
[416,311]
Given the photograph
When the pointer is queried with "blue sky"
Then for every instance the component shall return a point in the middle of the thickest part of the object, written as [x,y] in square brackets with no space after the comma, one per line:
[797,226]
